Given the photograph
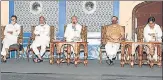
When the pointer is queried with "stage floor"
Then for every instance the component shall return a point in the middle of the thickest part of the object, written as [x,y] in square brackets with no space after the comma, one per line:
[23,70]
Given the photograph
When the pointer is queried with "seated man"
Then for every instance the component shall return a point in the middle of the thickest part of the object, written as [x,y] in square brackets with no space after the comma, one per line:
[42,38]
[114,34]
[152,32]
[11,34]
[72,32]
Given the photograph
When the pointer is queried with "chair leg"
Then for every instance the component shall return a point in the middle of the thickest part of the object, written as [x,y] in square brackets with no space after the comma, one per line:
[100,56]
[27,54]
[18,54]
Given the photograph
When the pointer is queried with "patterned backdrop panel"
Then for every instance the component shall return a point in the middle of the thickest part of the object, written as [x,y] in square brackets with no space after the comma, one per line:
[103,11]
[50,10]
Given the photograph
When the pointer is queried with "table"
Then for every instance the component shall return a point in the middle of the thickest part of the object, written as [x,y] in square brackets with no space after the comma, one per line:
[150,45]
[76,48]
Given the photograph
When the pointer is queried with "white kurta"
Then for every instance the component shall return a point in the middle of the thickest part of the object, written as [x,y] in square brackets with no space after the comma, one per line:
[10,39]
[147,37]
[42,40]
[71,33]
[156,30]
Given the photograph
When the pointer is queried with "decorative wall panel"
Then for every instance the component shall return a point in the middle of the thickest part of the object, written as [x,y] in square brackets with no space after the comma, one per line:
[27,19]
[94,20]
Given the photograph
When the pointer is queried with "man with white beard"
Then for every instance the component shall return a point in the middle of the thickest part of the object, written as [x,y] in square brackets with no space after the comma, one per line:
[42,38]
[11,34]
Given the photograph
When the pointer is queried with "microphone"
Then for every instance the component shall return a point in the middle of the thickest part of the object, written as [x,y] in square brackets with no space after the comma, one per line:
[73,26]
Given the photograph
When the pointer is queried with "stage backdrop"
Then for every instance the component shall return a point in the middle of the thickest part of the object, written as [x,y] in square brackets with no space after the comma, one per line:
[93,14]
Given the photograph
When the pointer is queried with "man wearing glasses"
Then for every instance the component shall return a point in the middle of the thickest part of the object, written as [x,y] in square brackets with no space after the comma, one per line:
[11,34]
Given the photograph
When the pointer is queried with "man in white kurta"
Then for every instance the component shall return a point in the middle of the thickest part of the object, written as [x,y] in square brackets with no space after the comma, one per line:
[42,39]
[152,33]
[114,34]
[11,34]
[72,32]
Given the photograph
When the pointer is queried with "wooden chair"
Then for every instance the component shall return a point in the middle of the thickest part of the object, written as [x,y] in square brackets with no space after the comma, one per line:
[140,38]
[15,47]
[32,38]
[104,41]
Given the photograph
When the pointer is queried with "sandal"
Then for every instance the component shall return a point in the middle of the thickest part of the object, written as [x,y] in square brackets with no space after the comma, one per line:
[63,61]
[37,60]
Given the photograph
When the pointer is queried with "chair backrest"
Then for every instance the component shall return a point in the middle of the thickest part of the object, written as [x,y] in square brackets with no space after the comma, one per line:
[139,32]
[124,33]
[83,32]
[2,32]
[20,37]
[52,32]
[21,32]
[32,32]
[104,36]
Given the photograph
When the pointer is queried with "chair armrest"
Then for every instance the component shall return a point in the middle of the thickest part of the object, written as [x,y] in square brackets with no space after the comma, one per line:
[52,40]
[101,45]
[29,41]
[20,40]
[32,38]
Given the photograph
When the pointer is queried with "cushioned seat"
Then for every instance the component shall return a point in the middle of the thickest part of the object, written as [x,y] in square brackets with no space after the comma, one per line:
[14,46]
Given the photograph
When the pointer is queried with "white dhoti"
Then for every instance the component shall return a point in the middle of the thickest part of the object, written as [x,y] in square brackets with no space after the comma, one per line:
[40,42]
[7,42]
[112,49]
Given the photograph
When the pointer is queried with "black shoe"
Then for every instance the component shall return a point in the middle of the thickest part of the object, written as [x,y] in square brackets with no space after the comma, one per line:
[3,61]
[37,60]
[40,60]
[114,58]
[108,61]
[111,62]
